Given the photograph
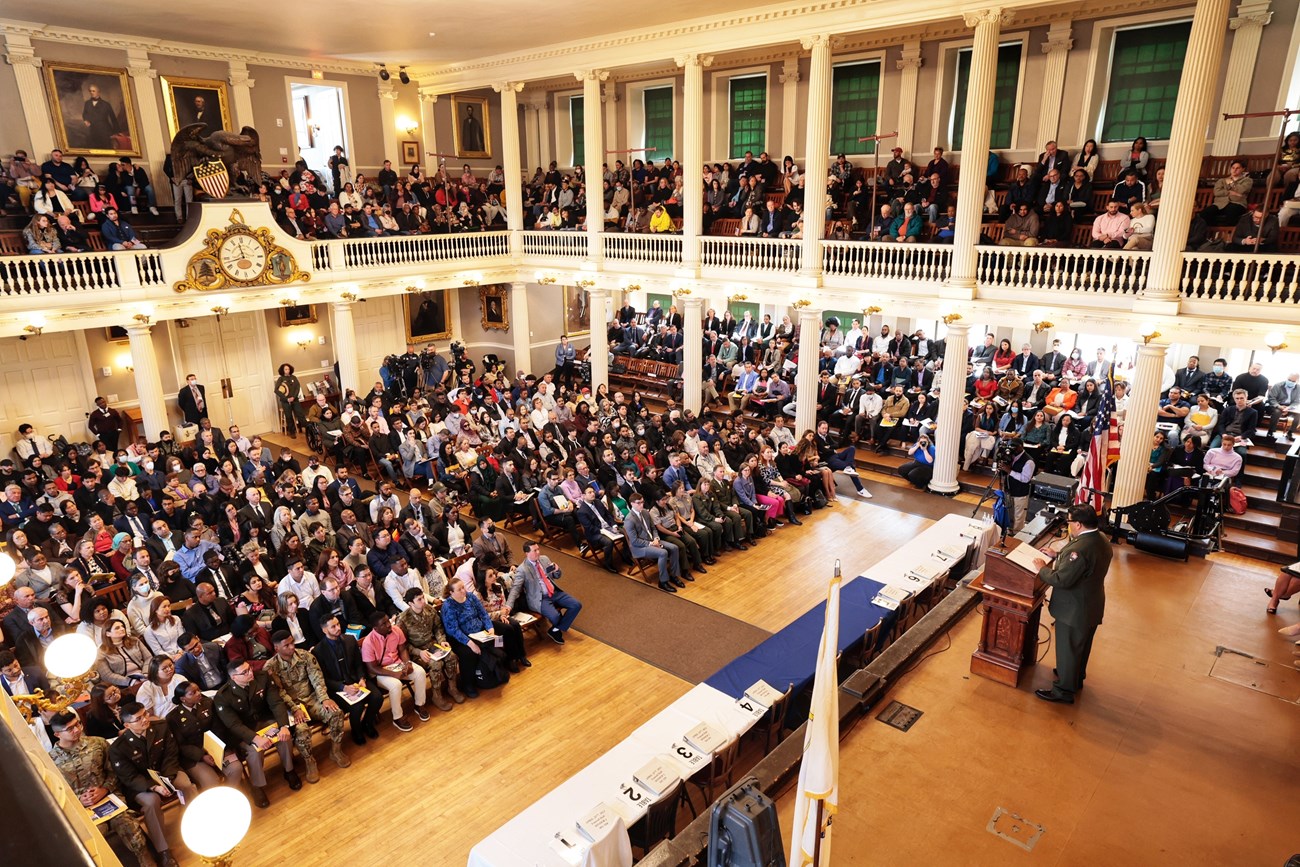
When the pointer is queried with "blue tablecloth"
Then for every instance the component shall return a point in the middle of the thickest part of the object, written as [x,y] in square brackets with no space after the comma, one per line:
[790,656]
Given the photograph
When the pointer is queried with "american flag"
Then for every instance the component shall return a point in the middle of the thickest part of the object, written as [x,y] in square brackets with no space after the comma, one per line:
[1103,450]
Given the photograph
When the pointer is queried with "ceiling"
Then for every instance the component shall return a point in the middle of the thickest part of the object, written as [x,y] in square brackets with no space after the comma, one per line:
[390,31]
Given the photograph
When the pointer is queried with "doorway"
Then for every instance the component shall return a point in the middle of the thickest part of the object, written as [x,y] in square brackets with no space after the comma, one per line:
[230,355]
[320,124]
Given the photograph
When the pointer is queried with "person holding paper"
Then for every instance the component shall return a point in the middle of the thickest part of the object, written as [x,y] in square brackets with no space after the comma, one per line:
[146,760]
[427,643]
[535,578]
[251,709]
[557,510]
[601,529]
[84,763]
[297,675]
[352,689]
[191,721]
[388,660]
[643,540]
[1077,575]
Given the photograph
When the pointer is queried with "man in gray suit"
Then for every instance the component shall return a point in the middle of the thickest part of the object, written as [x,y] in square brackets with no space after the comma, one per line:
[1077,575]
[535,576]
[643,540]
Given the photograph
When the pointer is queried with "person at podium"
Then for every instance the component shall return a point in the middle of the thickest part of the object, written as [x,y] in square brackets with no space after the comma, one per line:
[1077,576]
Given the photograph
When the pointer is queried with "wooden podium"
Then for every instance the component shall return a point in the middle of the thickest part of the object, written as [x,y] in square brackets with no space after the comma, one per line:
[1012,602]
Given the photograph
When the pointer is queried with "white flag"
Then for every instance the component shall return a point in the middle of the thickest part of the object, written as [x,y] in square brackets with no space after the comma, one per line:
[820,769]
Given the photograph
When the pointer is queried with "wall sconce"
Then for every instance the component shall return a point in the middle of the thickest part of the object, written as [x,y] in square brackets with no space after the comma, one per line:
[585,282]
[34,330]
[125,362]
[1040,327]
[303,338]
[800,303]
[288,302]
[546,279]
[412,289]
[142,318]
[1148,333]
[1275,341]
[682,292]
[950,318]
[471,280]
[739,296]
[407,125]
[870,311]
[349,296]
[632,287]
[220,310]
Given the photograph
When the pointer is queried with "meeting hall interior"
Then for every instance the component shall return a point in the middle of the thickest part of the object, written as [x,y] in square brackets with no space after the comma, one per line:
[370,373]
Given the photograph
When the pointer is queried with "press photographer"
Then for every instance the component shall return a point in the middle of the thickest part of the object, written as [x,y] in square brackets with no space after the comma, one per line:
[1017,469]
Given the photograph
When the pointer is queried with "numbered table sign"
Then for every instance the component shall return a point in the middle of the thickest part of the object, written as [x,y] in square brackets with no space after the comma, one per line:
[688,757]
[751,707]
[631,801]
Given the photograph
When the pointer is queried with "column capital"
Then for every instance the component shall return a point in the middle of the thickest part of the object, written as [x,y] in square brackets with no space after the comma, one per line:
[1058,38]
[789,70]
[824,40]
[958,328]
[240,79]
[19,52]
[702,60]
[609,93]
[387,90]
[988,16]
[429,97]
[591,74]
[141,70]
[691,301]
[1251,15]
[503,86]
[138,329]
[910,58]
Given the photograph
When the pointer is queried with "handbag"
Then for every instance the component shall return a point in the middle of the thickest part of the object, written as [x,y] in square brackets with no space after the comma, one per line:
[1237,501]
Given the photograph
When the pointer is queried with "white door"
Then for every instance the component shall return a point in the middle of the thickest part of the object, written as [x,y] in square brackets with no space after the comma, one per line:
[43,385]
[378,324]
[234,350]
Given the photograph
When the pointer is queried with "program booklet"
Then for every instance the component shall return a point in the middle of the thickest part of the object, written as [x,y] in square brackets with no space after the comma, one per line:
[111,805]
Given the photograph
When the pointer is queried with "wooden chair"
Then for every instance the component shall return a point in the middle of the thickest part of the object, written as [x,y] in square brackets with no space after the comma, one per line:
[921,604]
[550,532]
[772,725]
[716,778]
[660,821]
[903,620]
[117,594]
[871,643]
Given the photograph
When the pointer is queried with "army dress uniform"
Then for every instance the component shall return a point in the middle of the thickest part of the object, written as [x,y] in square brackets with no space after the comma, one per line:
[85,766]
[242,711]
[187,726]
[301,682]
[133,756]
[1077,576]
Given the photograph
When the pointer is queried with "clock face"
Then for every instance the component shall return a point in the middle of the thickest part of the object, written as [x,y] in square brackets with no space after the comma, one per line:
[242,257]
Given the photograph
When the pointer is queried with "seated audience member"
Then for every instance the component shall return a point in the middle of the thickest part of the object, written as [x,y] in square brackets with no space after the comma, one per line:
[387,658]
[1020,228]
[1256,232]
[145,753]
[194,714]
[210,616]
[427,644]
[535,579]
[347,679]
[297,675]
[1223,462]
[1111,229]
[1230,197]
[251,709]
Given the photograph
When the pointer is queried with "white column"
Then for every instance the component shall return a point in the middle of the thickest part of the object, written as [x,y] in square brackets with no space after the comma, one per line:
[1186,148]
[693,156]
[520,331]
[544,132]
[146,102]
[241,87]
[430,137]
[609,103]
[532,152]
[1057,48]
[816,152]
[789,79]
[388,118]
[599,354]
[805,378]
[947,443]
[345,347]
[692,352]
[148,381]
[910,65]
[1139,425]
[31,93]
[1248,27]
[975,148]
[593,132]
[510,165]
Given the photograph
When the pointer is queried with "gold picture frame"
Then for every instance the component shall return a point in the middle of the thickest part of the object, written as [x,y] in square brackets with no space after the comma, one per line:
[410,153]
[180,97]
[494,302]
[298,314]
[427,316]
[92,110]
[116,334]
[577,311]
[469,129]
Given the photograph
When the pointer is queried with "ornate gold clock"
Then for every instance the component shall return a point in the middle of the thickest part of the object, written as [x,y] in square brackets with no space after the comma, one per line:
[237,257]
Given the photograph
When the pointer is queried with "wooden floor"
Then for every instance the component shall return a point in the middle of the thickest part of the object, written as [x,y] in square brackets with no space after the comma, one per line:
[1158,763]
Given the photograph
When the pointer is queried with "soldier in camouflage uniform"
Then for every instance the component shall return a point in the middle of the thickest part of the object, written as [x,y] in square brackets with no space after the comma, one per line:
[423,628]
[84,763]
[298,676]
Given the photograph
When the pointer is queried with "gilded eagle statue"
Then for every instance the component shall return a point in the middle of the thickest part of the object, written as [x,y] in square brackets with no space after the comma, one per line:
[240,152]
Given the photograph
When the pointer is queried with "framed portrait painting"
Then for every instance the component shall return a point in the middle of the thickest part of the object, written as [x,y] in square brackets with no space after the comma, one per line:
[496,307]
[195,100]
[297,314]
[471,127]
[410,153]
[427,316]
[577,311]
[92,110]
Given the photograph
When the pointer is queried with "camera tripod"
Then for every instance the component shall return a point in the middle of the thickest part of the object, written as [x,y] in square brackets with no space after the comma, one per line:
[996,491]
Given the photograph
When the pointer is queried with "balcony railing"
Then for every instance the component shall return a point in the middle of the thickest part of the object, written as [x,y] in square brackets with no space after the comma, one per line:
[886,261]
[770,255]
[79,272]
[1101,272]
[556,244]
[665,249]
[1241,277]
[407,249]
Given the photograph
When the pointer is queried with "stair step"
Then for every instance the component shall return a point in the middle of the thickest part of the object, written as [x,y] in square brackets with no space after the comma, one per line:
[1258,545]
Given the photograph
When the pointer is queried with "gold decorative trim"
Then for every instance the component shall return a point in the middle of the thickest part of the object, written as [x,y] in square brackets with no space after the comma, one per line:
[205,273]
[494,304]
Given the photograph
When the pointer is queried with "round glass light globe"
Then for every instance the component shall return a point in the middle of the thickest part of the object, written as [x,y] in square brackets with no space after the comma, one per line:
[8,568]
[216,821]
[70,656]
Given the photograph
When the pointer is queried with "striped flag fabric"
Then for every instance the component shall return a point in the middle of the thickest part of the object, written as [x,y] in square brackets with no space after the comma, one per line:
[820,768]
[1103,450]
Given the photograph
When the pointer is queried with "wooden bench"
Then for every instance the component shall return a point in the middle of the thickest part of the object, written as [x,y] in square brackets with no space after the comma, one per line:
[658,379]
[724,226]
[1288,240]
[12,243]
[1106,173]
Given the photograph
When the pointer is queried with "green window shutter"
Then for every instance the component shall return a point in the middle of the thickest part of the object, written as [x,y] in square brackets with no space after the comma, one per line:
[577,122]
[1004,96]
[1146,66]
[657,105]
[748,115]
[855,102]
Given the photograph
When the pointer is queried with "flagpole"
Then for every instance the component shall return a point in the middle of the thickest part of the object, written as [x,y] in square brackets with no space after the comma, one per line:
[817,844]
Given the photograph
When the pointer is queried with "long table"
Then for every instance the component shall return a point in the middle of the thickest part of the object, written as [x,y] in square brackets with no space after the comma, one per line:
[529,839]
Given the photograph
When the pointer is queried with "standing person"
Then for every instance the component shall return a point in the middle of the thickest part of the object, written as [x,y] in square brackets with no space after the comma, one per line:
[193,400]
[1078,575]
[1020,473]
[105,423]
[288,391]
[565,356]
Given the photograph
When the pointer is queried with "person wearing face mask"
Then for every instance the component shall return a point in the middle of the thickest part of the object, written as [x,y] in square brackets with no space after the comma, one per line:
[1075,368]
[1077,574]
[1218,384]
